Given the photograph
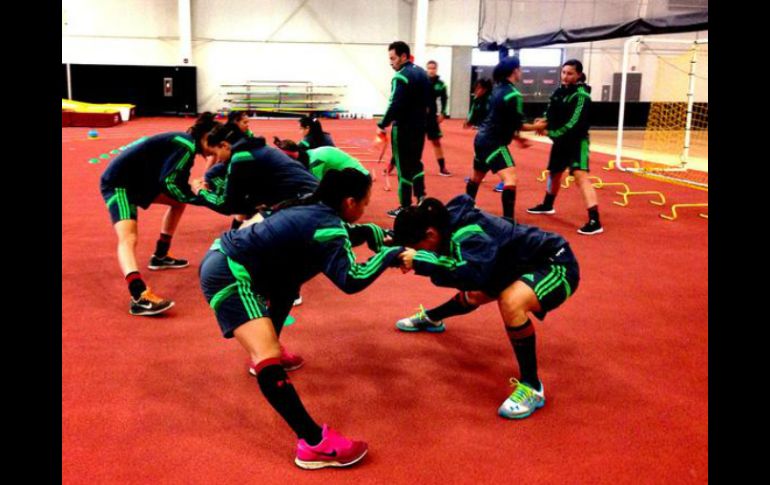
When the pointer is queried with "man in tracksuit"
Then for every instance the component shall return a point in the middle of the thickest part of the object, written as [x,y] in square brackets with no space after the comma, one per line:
[407,110]
[435,118]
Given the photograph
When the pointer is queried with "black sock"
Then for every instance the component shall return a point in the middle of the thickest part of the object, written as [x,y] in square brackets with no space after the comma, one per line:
[161,247]
[457,305]
[280,393]
[472,188]
[235,224]
[593,213]
[549,199]
[136,285]
[523,341]
[405,195]
[508,198]
[418,185]
[442,164]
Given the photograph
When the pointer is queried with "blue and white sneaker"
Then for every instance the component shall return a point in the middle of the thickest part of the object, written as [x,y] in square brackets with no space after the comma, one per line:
[499,187]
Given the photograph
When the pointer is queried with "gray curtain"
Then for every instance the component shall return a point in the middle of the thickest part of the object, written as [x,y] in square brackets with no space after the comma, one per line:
[515,24]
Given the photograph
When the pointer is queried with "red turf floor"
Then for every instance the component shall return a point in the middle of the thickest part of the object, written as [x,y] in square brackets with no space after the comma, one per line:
[168,400]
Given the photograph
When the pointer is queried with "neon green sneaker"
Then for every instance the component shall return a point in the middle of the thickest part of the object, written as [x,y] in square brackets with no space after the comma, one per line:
[523,401]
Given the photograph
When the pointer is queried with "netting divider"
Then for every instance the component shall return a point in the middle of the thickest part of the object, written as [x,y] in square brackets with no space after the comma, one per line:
[634,42]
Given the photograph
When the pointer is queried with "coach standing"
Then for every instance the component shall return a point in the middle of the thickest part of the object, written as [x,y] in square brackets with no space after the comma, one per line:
[407,109]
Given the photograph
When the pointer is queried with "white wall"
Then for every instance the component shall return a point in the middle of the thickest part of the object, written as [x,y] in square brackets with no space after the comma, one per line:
[144,52]
[142,32]
[363,69]
[453,23]
[322,41]
[602,59]
[335,21]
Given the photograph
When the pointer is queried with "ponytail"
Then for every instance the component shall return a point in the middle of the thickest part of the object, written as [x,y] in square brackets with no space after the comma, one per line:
[316,132]
[412,223]
[204,124]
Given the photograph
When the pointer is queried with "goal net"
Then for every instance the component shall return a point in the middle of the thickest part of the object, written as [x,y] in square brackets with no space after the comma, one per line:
[674,142]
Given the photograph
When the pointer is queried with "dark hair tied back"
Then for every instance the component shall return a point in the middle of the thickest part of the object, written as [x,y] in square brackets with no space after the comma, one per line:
[412,223]
[204,124]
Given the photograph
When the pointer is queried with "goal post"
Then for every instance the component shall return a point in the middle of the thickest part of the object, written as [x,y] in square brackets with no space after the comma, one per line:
[674,142]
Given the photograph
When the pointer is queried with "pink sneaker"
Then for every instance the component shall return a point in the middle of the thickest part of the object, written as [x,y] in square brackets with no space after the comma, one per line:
[289,361]
[333,450]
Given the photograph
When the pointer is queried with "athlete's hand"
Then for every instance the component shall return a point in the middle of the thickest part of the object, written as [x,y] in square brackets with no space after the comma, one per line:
[196,185]
[255,219]
[441,118]
[407,260]
[387,240]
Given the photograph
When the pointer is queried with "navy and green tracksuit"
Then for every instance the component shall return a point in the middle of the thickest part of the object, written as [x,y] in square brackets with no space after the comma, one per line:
[236,134]
[489,253]
[479,109]
[410,99]
[258,175]
[438,92]
[257,271]
[216,176]
[310,142]
[150,166]
[505,117]
[568,124]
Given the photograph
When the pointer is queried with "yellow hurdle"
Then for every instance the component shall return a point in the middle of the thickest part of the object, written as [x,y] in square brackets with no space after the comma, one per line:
[662,200]
[611,164]
[674,207]
[627,192]
[570,179]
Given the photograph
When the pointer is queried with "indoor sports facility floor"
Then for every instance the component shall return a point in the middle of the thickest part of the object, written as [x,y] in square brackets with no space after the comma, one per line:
[624,361]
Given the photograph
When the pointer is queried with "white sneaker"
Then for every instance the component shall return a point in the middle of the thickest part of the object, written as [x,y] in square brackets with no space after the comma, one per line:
[298,301]
[522,402]
[420,321]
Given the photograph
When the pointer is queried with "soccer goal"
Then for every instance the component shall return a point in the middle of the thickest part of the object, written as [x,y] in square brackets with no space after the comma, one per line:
[674,142]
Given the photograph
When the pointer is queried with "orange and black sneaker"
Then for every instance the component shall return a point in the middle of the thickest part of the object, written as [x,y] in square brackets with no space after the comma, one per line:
[149,304]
